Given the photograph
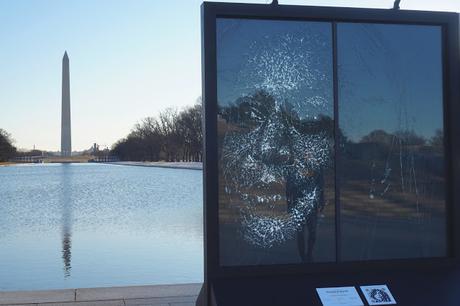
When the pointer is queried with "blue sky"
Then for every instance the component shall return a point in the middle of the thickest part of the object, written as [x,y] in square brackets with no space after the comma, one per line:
[128,60]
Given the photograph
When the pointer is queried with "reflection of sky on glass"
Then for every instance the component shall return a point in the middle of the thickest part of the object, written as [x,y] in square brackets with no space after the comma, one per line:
[291,60]
[390,77]
[383,69]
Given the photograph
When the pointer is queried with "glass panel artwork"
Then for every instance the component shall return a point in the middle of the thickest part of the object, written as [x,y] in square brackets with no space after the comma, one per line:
[392,191]
[275,142]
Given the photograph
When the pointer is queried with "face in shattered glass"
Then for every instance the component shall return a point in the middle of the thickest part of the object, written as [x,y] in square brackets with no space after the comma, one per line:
[277,141]
[274,163]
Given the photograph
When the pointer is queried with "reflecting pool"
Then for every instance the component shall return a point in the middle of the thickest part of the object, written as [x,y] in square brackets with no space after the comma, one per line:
[96,225]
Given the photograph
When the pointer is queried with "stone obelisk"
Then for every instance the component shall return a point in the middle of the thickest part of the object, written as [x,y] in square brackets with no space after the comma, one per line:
[66,138]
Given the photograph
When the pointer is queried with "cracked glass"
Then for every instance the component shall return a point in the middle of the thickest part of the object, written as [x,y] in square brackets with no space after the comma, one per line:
[392,191]
[277,142]
[275,135]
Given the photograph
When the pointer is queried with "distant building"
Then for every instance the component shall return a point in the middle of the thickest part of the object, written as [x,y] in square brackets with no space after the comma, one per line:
[95,148]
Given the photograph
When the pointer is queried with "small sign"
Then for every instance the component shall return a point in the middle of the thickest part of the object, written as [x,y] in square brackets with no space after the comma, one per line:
[378,295]
[339,296]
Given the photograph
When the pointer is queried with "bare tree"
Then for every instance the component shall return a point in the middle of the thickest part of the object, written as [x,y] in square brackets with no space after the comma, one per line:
[172,136]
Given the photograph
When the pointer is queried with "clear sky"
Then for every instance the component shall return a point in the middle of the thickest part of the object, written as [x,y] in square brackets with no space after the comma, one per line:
[128,60]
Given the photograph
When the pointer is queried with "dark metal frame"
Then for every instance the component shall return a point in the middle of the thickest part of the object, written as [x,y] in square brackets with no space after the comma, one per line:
[451,78]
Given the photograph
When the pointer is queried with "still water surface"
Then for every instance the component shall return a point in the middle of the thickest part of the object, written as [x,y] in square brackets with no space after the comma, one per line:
[94,225]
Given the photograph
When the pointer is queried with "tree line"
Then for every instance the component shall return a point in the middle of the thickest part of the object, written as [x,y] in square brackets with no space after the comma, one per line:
[406,137]
[172,136]
[7,149]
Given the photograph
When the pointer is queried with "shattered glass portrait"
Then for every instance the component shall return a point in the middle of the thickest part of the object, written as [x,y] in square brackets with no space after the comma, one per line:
[275,129]
[278,142]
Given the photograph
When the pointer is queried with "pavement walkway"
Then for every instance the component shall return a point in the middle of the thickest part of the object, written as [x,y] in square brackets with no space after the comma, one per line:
[160,295]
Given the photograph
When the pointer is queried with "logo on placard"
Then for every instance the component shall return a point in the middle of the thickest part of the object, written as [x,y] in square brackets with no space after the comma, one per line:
[378,295]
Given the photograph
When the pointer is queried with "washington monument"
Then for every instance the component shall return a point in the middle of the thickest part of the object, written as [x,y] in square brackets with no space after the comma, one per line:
[66,136]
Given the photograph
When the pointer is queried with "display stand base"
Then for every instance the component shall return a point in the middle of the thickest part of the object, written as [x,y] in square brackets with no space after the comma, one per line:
[421,287]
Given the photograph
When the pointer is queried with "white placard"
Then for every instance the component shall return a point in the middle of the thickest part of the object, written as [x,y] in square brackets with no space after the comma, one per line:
[339,296]
[378,295]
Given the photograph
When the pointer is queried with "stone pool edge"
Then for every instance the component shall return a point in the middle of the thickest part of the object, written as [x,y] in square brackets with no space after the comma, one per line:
[168,295]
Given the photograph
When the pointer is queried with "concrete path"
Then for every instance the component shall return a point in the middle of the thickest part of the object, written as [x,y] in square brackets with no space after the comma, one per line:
[161,295]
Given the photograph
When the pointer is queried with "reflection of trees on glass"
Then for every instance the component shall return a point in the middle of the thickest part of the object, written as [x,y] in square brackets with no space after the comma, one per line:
[392,174]
[276,141]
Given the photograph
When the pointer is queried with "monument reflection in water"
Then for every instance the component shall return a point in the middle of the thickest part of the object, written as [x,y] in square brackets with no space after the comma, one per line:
[279,142]
[97,225]
[67,204]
